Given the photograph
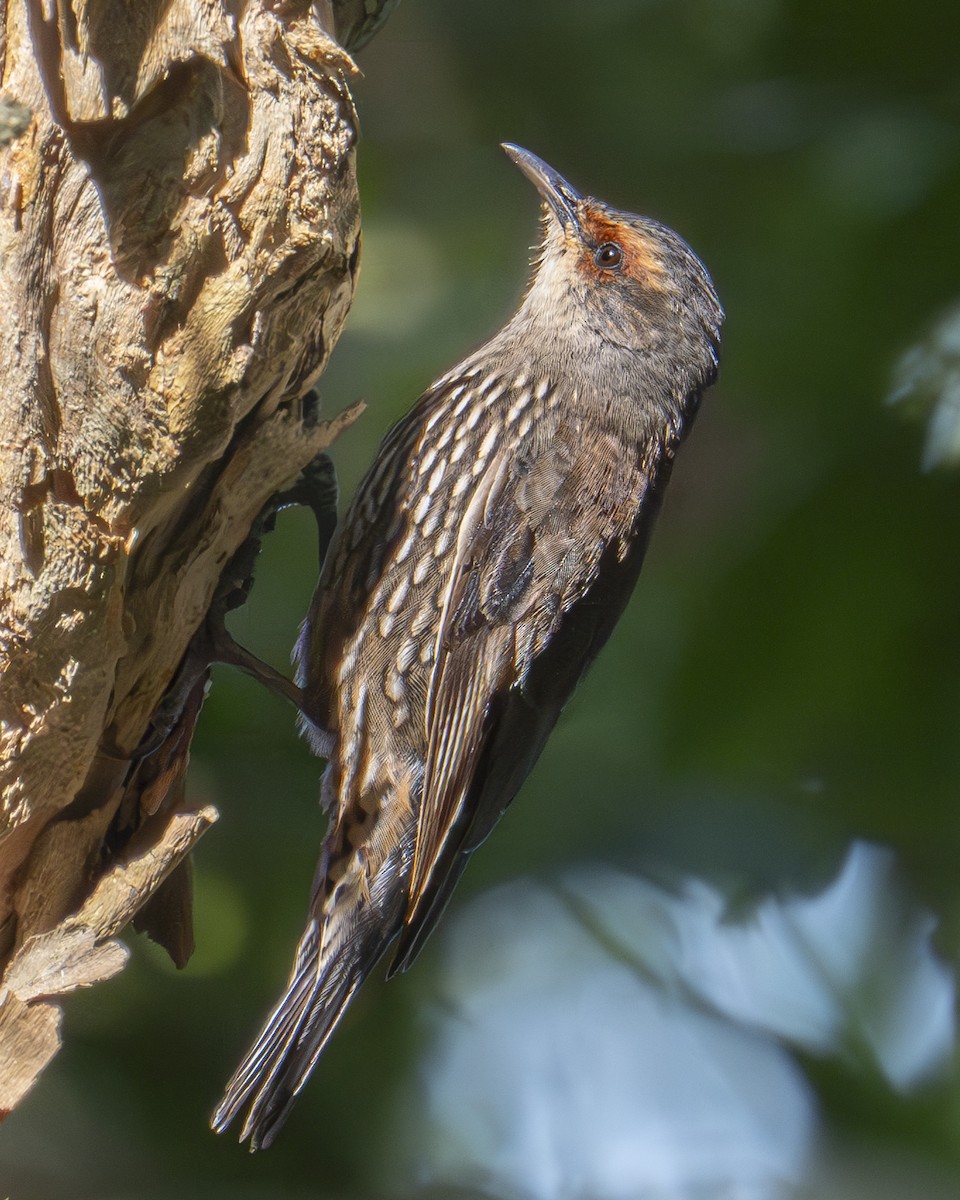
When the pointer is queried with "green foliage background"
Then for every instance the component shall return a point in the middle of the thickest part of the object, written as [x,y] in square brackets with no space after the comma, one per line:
[787,678]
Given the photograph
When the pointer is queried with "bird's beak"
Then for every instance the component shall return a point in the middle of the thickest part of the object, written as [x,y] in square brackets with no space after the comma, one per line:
[556,192]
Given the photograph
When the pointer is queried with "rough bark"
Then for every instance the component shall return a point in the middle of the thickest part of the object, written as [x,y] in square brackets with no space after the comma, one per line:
[179,229]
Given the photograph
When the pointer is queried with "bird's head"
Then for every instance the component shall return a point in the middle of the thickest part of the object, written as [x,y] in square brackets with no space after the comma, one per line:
[625,285]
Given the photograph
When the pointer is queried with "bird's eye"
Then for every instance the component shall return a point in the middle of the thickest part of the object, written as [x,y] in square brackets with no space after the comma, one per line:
[608,257]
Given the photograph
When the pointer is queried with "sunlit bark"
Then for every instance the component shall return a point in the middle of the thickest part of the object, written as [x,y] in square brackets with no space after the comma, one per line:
[179,229]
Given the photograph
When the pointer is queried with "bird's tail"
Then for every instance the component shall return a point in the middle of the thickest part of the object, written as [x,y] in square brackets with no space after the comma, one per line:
[334,956]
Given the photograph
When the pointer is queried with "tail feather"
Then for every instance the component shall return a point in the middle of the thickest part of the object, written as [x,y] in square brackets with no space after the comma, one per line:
[428,912]
[327,971]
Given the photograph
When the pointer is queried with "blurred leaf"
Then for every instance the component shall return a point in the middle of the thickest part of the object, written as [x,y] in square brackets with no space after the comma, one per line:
[927,383]
[612,1039]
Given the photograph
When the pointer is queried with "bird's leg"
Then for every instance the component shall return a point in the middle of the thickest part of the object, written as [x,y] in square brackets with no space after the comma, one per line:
[224,648]
[316,488]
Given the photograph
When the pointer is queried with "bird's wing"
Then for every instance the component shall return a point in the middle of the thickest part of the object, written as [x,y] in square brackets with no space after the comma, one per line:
[543,516]
[362,544]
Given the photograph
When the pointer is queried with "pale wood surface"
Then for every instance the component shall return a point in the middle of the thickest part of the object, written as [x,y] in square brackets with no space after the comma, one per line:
[179,227]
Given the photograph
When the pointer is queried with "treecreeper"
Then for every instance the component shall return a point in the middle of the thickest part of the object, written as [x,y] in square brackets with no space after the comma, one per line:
[484,561]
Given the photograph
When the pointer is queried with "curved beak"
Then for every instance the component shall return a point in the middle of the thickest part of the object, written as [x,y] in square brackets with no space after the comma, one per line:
[556,192]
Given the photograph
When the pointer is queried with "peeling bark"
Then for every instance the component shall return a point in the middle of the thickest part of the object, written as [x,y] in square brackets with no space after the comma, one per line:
[179,230]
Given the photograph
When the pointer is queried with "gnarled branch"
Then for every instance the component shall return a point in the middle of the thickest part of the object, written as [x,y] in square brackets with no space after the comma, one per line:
[179,230]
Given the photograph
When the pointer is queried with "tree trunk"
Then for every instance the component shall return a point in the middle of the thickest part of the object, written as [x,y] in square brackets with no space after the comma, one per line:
[179,230]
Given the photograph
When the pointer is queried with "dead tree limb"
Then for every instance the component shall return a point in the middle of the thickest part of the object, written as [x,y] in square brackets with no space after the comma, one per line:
[179,230]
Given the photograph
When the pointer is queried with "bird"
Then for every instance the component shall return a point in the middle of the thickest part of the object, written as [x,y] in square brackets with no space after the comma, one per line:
[485,559]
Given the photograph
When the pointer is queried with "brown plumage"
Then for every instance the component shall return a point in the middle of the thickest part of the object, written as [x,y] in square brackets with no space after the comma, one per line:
[484,561]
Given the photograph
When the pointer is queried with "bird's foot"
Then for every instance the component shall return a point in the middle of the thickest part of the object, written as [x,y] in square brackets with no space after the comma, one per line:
[315,488]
